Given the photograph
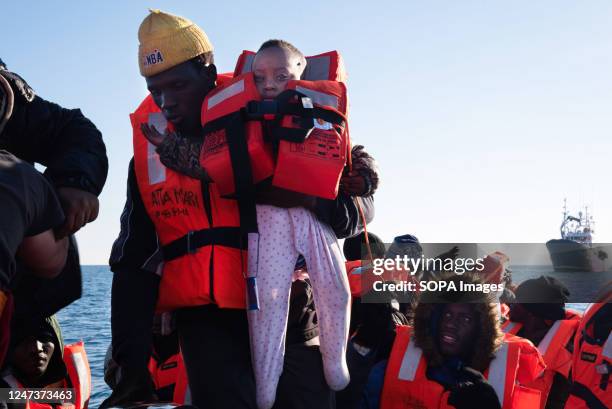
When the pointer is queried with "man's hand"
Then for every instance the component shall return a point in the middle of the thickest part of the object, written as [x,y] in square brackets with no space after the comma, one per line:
[80,207]
[152,135]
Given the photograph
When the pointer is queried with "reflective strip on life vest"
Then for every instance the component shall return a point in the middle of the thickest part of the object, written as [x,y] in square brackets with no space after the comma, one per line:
[586,311]
[507,329]
[187,400]
[248,62]
[497,372]
[607,348]
[156,170]
[319,98]
[225,93]
[317,67]
[81,369]
[357,270]
[545,343]
[410,362]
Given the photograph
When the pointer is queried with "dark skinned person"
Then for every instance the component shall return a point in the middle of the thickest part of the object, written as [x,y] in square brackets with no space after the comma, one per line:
[30,213]
[538,314]
[211,316]
[39,359]
[71,148]
[455,356]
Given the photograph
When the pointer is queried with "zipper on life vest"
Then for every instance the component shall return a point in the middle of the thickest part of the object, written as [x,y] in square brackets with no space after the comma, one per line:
[207,209]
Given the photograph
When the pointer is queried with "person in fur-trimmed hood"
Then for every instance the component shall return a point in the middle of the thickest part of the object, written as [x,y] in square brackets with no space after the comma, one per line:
[430,332]
[457,334]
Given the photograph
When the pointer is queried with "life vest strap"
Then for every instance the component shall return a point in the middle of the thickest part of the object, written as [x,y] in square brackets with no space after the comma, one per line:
[189,243]
[282,105]
[296,104]
[582,392]
[243,176]
[234,126]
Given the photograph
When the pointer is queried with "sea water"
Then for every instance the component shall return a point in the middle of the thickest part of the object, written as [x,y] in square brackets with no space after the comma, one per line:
[88,319]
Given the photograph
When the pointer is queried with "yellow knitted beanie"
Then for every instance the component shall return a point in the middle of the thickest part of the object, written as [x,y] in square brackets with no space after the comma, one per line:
[167,40]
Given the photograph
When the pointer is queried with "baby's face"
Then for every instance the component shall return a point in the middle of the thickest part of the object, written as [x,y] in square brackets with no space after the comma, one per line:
[273,68]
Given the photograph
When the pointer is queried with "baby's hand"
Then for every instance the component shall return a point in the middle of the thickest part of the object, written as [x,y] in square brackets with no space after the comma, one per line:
[152,134]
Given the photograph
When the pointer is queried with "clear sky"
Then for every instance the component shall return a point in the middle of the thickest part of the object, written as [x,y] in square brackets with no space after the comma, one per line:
[482,115]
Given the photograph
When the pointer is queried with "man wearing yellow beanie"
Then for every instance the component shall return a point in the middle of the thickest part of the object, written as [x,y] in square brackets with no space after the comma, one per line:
[176,58]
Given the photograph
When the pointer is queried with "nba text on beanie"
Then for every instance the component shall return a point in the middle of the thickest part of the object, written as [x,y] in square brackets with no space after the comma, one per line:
[167,40]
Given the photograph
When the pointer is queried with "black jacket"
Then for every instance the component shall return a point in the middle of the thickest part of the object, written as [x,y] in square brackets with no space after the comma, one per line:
[63,140]
[71,148]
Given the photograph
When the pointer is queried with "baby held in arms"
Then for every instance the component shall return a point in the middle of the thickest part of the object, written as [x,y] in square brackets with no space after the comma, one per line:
[284,233]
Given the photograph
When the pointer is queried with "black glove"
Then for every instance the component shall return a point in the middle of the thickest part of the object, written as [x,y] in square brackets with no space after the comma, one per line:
[473,391]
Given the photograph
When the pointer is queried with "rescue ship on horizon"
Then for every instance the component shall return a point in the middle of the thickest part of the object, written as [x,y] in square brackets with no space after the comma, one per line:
[574,251]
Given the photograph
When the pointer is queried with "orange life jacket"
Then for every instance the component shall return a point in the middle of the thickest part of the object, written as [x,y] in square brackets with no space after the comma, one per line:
[314,166]
[354,277]
[406,384]
[235,154]
[504,311]
[182,393]
[362,278]
[171,374]
[221,118]
[199,231]
[591,365]
[79,373]
[79,376]
[552,347]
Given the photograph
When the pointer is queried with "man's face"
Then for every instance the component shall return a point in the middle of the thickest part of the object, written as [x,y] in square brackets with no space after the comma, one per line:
[31,356]
[457,329]
[179,93]
[518,313]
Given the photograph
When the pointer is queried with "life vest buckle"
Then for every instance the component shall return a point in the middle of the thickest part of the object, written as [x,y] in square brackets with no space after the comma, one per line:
[257,110]
[191,248]
[307,103]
